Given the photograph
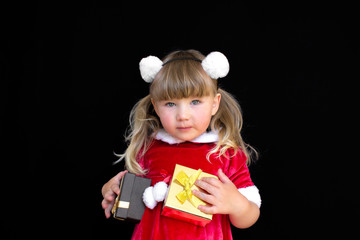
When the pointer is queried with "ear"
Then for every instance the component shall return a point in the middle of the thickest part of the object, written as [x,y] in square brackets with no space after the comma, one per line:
[216,104]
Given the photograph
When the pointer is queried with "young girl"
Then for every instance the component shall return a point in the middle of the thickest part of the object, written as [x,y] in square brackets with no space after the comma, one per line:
[188,120]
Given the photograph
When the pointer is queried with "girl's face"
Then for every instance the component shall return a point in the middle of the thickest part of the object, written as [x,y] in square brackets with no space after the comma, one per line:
[187,118]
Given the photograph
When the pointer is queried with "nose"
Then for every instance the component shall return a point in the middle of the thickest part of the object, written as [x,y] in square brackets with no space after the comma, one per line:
[183,114]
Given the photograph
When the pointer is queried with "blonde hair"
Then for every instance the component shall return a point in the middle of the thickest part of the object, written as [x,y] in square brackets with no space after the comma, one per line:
[178,79]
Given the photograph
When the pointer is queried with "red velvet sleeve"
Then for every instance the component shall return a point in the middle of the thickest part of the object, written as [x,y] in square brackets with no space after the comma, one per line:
[237,170]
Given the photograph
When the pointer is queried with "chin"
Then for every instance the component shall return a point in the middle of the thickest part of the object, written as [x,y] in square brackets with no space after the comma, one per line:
[187,139]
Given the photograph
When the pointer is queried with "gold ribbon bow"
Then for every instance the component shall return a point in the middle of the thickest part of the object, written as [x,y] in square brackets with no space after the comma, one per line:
[187,183]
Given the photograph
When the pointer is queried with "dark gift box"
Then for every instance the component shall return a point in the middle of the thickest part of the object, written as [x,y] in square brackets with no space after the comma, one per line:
[129,204]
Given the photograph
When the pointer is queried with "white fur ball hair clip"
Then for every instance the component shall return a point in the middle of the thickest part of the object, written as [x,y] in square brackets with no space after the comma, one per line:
[153,195]
[215,65]
[149,67]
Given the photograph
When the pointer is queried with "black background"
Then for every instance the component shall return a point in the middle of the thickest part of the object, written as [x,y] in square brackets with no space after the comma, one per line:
[69,78]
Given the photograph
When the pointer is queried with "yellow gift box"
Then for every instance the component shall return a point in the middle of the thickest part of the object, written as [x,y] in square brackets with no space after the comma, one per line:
[179,202]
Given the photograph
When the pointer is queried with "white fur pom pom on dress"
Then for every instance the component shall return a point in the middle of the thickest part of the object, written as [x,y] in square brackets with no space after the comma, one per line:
[216,65]
[159,191]
[148,198]
[153,195]
[149,67]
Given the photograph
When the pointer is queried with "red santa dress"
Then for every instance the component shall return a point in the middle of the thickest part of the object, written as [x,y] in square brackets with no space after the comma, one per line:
[165,152]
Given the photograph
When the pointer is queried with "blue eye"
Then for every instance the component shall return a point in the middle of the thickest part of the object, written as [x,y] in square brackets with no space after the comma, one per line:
[170,104]
[195,102]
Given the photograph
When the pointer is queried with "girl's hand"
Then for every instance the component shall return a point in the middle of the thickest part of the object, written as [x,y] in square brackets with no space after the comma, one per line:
[224,198]
[221,194]
[109,191]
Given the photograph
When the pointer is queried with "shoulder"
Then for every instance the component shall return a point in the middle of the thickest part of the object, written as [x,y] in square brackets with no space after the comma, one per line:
[234,161]
[235,156]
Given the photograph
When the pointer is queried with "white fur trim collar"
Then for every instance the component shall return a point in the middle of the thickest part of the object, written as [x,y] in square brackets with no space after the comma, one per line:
[207,137]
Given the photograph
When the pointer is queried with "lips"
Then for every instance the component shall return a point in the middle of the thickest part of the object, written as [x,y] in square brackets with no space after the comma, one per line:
[184,128]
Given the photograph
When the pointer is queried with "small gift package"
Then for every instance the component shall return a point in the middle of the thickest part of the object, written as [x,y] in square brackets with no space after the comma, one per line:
[180,203]
[129,204]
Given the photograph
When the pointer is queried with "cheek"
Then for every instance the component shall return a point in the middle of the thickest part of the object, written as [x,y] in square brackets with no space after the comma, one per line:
[204,118]
[165,119]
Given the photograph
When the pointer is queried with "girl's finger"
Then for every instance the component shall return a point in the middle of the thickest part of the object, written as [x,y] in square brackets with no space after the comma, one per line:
[223,178]
[208,209]
[109,196]
[107,206]
[108,211]
[104,204]
[204,196]
[206,185]
[120,175]
[115,188]
[212,181]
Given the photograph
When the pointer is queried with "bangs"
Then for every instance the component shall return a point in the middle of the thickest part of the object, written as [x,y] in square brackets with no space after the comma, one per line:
[182,79]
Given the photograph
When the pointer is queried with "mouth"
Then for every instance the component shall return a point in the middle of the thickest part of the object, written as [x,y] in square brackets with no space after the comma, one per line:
[184,128]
